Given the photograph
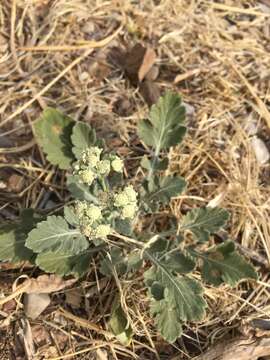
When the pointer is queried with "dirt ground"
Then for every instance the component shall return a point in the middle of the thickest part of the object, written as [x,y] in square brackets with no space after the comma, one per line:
[72,55]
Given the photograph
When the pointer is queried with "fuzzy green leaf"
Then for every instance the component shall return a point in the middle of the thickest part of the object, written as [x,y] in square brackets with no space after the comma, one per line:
[204,221]
[181,299]
[79,191]
[224,264]
[82,137]
[165,318]
[54,235]
[53,131]
[179,263]
[62,263]
[70,216]
[119,324]
[13,236]
[160,189]
[165,127]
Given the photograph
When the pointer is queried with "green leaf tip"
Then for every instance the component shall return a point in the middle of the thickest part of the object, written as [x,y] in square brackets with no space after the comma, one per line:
[165,126]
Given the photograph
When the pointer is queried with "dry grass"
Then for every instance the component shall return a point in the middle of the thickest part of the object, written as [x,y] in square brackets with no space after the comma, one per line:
[220,53]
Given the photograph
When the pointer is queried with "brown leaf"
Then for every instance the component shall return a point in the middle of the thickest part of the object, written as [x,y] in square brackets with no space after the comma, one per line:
[139,60]
[46,284]
[35,304]
[150,92]
[74,297]
[15,183]
[147,63]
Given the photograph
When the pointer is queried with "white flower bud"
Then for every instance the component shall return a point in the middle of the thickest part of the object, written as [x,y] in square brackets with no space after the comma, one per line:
[131,193]
[129,211]
[91,156]
[80,208]
[117,164]
[120,199]
[93,212]
[87,230]
[102,230]
[103,167]
[87,176]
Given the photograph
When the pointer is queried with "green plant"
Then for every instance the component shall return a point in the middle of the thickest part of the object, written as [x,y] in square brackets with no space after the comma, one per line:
[102,220]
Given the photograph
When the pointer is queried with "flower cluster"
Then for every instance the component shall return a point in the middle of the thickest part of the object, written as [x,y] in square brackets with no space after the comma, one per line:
[91,220]
[90,166]
[126,202]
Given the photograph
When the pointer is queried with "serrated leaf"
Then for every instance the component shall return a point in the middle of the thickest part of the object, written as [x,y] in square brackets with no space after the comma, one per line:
[204,221]
[54,235]
[119,324]
[53,131]
[79,191]
[165,320]
[179,263]
[224,264]
[162,189]
[182,296]
[62,263]
[165,127]
[13,236]
[82,137]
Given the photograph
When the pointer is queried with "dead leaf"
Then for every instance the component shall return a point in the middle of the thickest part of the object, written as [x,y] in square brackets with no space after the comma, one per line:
[47,284]
[15,183]
[35,304]
[138,61]
[74,297]
[147,63]
[150,92]
[40,335]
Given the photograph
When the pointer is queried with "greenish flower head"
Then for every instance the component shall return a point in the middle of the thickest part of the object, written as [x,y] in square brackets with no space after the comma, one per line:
[91,156]
[126,201]
[129,211]
[120,199]
[117,164]
[93,212]
[87,176]
[103,167]
[102,230]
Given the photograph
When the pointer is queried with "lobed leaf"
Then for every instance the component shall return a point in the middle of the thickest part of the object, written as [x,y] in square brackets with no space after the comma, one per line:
[204,221]
[178,298]
[165,127]
[224,264]
[82,137]
[53,131]
[54,235]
